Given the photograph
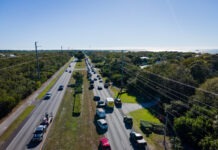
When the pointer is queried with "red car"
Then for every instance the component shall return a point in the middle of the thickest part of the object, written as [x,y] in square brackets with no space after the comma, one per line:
[104,144]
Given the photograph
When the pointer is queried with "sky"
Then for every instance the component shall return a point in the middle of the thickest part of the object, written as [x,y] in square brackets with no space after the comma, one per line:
[109,24]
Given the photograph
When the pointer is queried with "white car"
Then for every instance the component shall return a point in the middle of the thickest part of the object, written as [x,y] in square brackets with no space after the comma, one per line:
[48,95]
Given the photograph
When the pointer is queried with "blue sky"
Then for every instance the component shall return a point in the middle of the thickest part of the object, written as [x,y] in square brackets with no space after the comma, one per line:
[157,24]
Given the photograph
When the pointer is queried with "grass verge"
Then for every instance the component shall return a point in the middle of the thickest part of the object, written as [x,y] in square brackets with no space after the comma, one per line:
[49,86]
[155,141]
[15,124]
[125,97]
[81,64]
[74,132]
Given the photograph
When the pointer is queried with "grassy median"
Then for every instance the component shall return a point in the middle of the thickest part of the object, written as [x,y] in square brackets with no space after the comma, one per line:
[74,132]
[80,64]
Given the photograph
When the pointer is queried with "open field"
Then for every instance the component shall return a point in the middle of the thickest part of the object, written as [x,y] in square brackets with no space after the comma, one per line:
[70,131]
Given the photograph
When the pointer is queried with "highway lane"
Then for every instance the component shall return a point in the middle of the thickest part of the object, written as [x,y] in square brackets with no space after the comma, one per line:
[117,133]
[23,138]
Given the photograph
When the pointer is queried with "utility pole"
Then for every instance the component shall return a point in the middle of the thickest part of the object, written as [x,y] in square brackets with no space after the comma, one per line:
[37,60]
[122,64]
[165,128]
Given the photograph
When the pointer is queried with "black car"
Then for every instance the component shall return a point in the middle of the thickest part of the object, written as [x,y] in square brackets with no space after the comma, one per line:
[99,88]
[61,87]
[91,86]
[101,104]
[106,85]
[138,140]
[127,120]
[96,98]
[118,102]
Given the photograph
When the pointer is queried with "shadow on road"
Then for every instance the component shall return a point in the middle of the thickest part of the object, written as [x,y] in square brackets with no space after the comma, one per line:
[33,144]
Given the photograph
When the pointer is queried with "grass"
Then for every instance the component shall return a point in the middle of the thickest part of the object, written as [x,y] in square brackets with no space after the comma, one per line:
[144,114]
[49,86]
[15,124]
[81,64]
[125,97]
[77,104]
[155,141]
[69,132]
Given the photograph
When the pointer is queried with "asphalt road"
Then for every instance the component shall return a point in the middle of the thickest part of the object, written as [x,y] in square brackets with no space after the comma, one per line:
[22,140]
[117,133]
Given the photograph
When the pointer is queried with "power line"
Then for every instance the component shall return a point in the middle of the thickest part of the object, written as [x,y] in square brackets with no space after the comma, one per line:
[37,60]
[164,94]
[187,85]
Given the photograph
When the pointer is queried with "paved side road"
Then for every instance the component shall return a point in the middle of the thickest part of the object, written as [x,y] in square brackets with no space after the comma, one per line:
[31,99]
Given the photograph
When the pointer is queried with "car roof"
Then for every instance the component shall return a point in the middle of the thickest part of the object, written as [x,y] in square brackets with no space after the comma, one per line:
[40,127]
[137,134]
[102,121]
[105,141]
[100,110]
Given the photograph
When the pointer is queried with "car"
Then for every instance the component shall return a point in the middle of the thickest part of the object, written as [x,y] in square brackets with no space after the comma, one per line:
[128,120]
[106,85]
[101,104]
[61,87]
[117,102]
[69,65]
[104,144]
[100,81]
[100,113]
[98,75]
[97,98]
[66,70]
[70,71]
[99,88]
[91,81]
[38,133]
[138,140]
[91,86]
[102,124]
[48,95]
[95,79]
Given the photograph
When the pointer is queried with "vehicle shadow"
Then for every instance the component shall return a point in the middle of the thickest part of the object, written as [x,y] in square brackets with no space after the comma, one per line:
[33,144]
[119,106]
[109,110]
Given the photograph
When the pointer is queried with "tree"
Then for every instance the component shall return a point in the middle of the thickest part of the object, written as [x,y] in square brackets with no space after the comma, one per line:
[79,55]
[210,85]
